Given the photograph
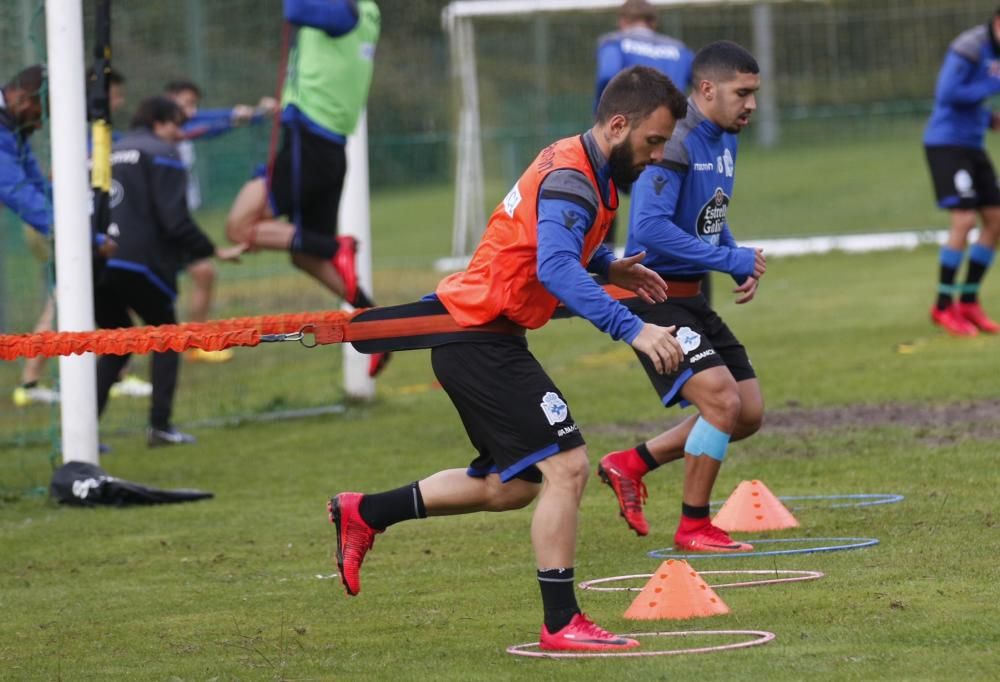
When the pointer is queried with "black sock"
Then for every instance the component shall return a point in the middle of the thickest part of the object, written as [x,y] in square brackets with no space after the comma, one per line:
[381,510]
[949,260]
[558,597]
[946,284]
[974,275]
[694,512]
[29,384]
[646,456]
[314,244]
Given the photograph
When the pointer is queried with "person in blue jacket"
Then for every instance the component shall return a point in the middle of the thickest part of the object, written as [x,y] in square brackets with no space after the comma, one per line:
[637,42]
[964,179]
[26,191]
[679,218]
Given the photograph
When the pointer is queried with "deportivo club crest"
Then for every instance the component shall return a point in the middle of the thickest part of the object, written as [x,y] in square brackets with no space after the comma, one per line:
[689,339]
[554,408]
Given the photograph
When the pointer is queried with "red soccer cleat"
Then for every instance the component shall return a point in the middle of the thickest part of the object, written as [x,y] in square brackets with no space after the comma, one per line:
[709,539]
[974,313]
[583,635]
[630,491]
[343,263]
[952,321]
[377,362]
[354,538]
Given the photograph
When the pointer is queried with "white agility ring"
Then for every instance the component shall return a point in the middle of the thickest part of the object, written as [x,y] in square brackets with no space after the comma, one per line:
[763,637]
[795,577]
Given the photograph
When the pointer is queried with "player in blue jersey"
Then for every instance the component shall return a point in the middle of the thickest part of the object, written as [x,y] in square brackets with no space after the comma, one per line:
[964,180]
[636,42]
[679,218]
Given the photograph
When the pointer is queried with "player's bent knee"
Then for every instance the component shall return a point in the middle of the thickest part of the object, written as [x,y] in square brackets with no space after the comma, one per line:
[202,271]
[569,468]
[722,408]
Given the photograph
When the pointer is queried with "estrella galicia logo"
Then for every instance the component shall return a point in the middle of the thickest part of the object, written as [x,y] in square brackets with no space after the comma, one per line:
[570,219]
[712,217]
[659,182]
[554,408]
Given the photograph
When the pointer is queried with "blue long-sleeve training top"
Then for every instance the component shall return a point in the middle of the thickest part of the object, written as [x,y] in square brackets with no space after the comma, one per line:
[969,75]
[643,46]
[567,209]
[23,187]
[679,212]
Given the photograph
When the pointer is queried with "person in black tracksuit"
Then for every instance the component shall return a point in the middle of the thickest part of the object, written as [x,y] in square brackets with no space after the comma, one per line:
[153,228]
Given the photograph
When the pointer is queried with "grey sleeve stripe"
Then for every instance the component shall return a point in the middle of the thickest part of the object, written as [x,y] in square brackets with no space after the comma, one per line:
[970,43]
[571,183]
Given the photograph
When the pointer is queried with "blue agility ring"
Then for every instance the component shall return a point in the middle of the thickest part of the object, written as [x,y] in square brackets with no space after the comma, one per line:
[845,543]
[863,499]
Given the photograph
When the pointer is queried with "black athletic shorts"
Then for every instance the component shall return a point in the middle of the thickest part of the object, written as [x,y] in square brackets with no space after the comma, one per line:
[514,415]
[963,177]
[307,180]
[705,338]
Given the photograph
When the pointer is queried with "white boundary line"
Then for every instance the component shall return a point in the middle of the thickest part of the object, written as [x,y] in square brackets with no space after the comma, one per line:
[800,246]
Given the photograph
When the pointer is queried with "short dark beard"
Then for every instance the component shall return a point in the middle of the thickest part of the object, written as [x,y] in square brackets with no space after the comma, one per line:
[623,172]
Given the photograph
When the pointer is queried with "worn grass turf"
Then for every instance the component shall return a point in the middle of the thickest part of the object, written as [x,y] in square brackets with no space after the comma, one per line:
[240,587]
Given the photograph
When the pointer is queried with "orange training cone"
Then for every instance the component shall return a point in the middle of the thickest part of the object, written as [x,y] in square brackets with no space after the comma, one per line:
[676,592]
[752,508]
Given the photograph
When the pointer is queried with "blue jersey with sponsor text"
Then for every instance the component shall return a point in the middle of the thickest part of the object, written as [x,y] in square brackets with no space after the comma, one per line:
[642,46]
[680,206]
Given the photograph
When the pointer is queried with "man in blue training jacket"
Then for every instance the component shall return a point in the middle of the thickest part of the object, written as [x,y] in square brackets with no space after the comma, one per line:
[679,219]
[964,180]
[637,42]
[25,190]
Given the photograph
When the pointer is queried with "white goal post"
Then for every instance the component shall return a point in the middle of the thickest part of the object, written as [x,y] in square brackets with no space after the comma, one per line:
[459,19]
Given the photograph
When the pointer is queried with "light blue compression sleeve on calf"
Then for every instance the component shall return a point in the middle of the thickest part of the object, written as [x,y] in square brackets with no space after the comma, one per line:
[705,439]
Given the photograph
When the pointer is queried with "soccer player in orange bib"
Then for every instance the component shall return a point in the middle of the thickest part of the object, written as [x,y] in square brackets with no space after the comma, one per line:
[538,246]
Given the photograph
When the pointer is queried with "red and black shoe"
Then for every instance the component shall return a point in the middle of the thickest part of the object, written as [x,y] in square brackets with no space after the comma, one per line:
[354,538]
[975,315]
[377,362]
[630,492]
[344,263]
[708,539]
[582,634]
[952,321]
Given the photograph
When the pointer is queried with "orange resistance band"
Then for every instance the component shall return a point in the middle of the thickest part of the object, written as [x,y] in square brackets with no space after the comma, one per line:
[327,327]
[174,337]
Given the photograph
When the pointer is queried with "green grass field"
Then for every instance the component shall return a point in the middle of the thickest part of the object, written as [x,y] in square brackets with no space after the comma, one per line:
[239,587]
[864,396]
